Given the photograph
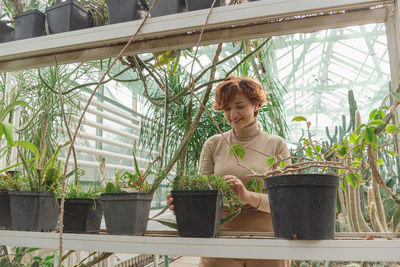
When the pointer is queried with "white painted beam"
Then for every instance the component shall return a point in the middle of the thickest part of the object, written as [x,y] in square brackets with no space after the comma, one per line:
[180,30]
[255,248]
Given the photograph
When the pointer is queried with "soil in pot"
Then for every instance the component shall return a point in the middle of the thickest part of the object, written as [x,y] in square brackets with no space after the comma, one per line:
[29,24]
[5,213]
[126,213]
[33,211]
[6,33]
[122,10]
[303,206]
[201,4]
[198,213]
[167,7]
[82,215]
[68,16]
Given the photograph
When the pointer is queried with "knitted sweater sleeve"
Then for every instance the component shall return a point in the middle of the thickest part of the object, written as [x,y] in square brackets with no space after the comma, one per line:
[206,162]
[282,150]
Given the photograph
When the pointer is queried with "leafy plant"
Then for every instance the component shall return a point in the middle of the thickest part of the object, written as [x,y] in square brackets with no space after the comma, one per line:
[194,181]
[125,181]
[10,180]
[41,175]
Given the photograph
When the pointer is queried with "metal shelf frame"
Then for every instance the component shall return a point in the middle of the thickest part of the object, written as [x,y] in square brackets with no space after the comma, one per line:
[252,248]
[227,23]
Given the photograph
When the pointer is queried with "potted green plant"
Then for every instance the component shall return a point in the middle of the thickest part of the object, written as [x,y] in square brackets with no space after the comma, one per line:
[82,208]
[127,196]
[198,201]
[34,206]
[8,182]
[303,205]
[6,32]
[68,16]
[29,24]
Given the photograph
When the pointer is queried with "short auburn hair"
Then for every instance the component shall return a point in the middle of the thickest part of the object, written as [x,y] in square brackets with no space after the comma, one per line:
[232,85]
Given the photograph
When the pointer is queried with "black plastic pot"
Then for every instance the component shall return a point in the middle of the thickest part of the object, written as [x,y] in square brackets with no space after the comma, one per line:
[126,213]
[201,4]
[68,16]
[82,215]
[6,33]
[303,206]
[29,24]
[5,213]
[167,7]
[122,10]
[198,212]
[33,211]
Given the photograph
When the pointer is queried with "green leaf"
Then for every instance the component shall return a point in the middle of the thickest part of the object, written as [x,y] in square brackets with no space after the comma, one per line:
[8,131]
[376,122]
[392,153]
[238,149]
[230,216]
[30,146]
[379,161]
[369,135]
[318,148]
[373,114]
[352,138]
[299,118]
[282,164]
[351,179]
[309,152]
[9,107]
[390,128]
[342,151]
[110,188]
[271,161]
[137,170]
[168,223]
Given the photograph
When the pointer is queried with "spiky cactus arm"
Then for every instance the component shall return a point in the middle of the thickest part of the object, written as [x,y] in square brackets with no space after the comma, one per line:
[350,217]
[376,181]
[373,212]
[364,227]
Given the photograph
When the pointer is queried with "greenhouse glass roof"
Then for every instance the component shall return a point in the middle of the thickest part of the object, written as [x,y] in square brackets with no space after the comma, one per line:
[318,69]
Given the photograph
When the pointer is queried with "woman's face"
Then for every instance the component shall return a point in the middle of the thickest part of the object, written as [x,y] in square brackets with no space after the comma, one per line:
[240,111]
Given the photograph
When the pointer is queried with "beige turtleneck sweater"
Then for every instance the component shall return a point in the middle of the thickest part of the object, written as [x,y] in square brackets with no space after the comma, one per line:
[215,158]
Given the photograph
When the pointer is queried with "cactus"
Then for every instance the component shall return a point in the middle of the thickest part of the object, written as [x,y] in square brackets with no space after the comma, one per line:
[352,110]
[372,211]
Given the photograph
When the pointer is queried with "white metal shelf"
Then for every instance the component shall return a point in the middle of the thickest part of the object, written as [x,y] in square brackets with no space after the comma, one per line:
[227,23]
[261,248]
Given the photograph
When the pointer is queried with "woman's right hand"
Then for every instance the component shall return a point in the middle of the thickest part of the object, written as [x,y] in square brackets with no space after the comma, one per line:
[170,202]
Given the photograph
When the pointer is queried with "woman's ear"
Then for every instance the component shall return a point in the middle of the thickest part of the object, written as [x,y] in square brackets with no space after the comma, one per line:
[256,111]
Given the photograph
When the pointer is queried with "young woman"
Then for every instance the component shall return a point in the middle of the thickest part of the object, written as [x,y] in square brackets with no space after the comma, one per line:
[240,100]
